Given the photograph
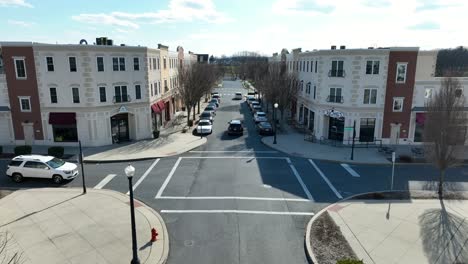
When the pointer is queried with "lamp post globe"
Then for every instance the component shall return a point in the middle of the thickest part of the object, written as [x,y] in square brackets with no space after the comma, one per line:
[276,105]
[129,171]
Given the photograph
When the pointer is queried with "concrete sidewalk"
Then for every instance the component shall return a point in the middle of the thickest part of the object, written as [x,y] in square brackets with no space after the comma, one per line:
[405,231]
[294,144]
[56,225]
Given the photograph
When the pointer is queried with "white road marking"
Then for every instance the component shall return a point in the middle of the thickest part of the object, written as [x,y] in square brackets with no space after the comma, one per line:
[144,175]
[232,198]
[232,151]
[299,179]
[350,170]
[326,179]
[105,181]
[234,212]
[234,157]
[161,190]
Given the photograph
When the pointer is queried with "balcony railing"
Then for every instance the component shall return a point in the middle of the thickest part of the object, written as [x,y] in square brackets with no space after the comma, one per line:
[122,98]
[336,73]
[335,99]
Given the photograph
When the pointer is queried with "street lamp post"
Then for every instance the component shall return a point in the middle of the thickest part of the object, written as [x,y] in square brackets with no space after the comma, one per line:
[274,121]
[130,171]
[393,169]
[82,167]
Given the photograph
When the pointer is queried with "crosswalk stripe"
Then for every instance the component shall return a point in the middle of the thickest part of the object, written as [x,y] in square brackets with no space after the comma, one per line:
[235,212]
[161,190]
[144,175]
[325,179]
[105,181]
[350,170]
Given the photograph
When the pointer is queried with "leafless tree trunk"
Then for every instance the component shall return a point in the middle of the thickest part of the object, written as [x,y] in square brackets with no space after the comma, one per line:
[7,256]
[445,128]
[194,81]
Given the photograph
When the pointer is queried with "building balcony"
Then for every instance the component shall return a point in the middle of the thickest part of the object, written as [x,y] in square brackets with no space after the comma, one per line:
[121,99]
[335,99]
[336,73]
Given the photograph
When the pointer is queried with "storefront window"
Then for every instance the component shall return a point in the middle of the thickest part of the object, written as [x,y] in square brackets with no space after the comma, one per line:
[65,133]
[366,131]
[301,112]
[311,120]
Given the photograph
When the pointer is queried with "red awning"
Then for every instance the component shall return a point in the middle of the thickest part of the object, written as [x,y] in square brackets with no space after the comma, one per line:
[161,105]
[156,108]
[62,118]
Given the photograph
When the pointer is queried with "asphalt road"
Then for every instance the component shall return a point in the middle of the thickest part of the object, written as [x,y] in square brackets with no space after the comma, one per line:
[234,200]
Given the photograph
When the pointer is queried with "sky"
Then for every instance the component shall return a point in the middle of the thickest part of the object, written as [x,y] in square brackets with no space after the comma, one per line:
[224,27]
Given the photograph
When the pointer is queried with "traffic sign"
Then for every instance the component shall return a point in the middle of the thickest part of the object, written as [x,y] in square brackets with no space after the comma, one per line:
[348,128]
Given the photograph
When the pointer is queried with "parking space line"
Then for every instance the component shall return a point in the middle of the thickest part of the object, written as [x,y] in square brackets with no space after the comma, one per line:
[232,198]
[105,181]
[325,179]
[350,170]
[299,179]
[161,190]
[234,212]
[144,175]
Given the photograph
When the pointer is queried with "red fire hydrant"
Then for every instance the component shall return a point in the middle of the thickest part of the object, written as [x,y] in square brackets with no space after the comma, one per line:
[154,235]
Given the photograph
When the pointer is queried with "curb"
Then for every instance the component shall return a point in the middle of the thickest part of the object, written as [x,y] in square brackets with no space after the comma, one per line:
[309,253]
[124,198]
[331,160]
[145,158]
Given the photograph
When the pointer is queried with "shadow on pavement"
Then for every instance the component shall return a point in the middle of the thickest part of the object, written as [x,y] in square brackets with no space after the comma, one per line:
[444,235]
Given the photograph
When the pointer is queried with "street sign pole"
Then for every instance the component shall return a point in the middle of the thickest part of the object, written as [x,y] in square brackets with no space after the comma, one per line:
[354,135]
[393,170]
[82,167]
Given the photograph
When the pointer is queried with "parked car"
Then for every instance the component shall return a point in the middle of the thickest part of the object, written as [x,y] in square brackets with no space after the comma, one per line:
[214,101]
[205,115]
[260,117]
[253,94]
[249,99]
[204,127]
[217,96]
[238,96]
[39,166]
[213,93]
[253,103]
[235,127]
[264,128]
[256,108]
[210,109]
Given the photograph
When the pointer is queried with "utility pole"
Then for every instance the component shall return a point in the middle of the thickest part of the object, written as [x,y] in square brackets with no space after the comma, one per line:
[393,169]
[354,135]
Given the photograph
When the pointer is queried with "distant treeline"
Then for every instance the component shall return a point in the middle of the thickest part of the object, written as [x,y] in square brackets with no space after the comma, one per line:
[238,58]
[452,62]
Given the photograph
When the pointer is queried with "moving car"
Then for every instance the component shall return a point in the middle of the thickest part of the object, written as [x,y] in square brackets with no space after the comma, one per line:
[204,127]
[264,128]
[235,127]
[39,166]
[205,115]
[238,96]
[260,117]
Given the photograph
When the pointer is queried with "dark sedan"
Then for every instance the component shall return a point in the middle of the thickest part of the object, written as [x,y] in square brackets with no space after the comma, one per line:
[264,128]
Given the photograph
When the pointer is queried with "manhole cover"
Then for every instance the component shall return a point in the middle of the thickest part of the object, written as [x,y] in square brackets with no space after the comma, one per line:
[188,243]
[266,186]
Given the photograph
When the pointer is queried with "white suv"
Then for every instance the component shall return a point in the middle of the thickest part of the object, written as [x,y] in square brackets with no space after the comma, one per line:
[38,166]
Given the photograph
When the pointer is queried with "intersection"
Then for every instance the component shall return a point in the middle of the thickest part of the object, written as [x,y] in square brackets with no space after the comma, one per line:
[235,200]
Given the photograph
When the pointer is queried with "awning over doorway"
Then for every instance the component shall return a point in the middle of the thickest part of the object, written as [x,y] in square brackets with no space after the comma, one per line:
[155,108]
[62,118]
[334,114]
[161,105]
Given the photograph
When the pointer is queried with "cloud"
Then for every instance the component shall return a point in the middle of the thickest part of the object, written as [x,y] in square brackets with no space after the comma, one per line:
[304,7]
[377,3]
[178,11]
[20,23]
[425,26]
[425,5]
[104,19]
[20,3]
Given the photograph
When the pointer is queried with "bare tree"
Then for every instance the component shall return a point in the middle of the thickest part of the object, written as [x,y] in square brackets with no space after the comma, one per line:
[195,81]
[445,127]
[6,255]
